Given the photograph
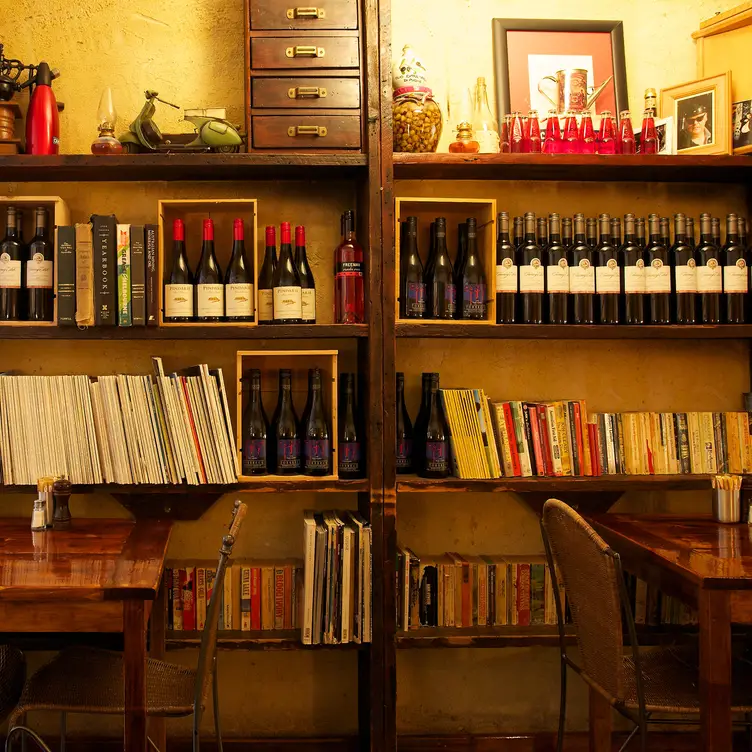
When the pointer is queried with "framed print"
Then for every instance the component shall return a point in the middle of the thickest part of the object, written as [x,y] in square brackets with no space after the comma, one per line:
[563,65]
[664,128]
[702,115]
[742,127]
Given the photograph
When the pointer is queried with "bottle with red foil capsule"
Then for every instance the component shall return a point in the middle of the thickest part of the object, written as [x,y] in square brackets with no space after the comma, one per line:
[552,134]
[570,143]
[349,292]
[266,278]
[626,134]
[288,295]
[606,143]
[532,133]
[178,290]
[587,134]
[210,289]
[504,146]
[239,279]
[648,136]
[516,134]
[307,283]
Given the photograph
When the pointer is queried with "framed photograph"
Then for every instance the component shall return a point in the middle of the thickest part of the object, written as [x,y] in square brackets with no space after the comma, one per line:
[549,64]
[664,127]
[742,127]
[702,115]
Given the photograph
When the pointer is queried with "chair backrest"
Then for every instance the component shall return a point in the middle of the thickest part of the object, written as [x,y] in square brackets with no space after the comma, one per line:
[590,571]
[208,652]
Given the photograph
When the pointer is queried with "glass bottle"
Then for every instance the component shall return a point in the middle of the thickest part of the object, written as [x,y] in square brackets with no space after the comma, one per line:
[627,143]
[533,133]
[591,232]
[715,228]
[570,143]
[607,274]
[616,232]
[633,269]
[566,232]
[557,274]
[504,146]
[531,263]
[519,232]
[255,429]
[685,274]
[404,438]
[581,276]
[209,301]
[465,142]
[552,135]
[349,272]
[459,262]
[413,286]
[641,232]
[288,295]
[607,134]
[419,428]
[484,123]
[431,261]
[307,282]
[691,233]
[735,273]
[316,446]
[349,445]
[516,133]
[178,292]
[657,275]
[284,429]
[666,231]
[648,135]
[651,102]
[39,270]
[709,278]
[239,279]
[442,294]
[587,134]
[436,463]
[472,278]
[541,224]
[506,273]
[12,287]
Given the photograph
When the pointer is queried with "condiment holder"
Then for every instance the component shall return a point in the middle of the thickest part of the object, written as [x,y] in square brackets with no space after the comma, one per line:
[727,498]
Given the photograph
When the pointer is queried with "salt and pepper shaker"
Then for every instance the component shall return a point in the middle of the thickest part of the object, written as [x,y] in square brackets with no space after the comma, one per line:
[39,514]
[61,518]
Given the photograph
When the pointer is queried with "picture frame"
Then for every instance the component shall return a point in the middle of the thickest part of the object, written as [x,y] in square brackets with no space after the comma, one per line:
[666,136]
[741,137]
[549,45]
[702,113]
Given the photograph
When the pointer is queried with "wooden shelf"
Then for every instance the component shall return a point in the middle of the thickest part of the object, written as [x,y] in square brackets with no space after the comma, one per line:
[170,167]
[579,167]
[288,639]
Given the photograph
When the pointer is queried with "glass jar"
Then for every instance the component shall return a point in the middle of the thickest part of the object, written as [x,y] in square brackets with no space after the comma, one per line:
[417,120]
[465,142]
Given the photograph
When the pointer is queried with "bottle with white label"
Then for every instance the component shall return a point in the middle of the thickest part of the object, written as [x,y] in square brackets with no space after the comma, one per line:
[239,279]
[531,260]
[178,290]
[709,277]
[557,274]
[12,293]
[266,278]
[210,289]
[657,274]
[288,298]
[39,270]
[633,270]
[581,276]
[506,273]
[607,274]
[684,269]
[735,274]
[307,283]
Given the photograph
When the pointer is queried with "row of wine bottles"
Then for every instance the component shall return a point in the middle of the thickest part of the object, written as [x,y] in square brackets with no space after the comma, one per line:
[291,446]
[26,271]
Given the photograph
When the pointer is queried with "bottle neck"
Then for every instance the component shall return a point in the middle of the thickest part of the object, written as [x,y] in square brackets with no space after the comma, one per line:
[472,243]
[255,392]
[348,231]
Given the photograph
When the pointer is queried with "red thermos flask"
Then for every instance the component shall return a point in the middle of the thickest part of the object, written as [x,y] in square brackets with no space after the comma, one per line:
[42,123]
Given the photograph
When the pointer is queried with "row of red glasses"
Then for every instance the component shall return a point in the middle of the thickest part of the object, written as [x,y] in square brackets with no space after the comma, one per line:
[521,134]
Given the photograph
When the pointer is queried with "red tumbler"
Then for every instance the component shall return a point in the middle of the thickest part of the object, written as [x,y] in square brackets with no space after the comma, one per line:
[606,143]
[552,135]
[626,134]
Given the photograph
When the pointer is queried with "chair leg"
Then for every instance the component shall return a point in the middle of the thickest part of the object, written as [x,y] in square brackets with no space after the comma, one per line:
[62,731]
[215,692]
[562,708]
[23,732]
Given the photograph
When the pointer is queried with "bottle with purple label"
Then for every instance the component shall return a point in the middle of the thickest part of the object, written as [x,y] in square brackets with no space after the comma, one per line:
[472,279]
[349,445]
[413,287]
[255,428]
[404,447]
[285,436]
[436,462]
[316,444]
[442,294]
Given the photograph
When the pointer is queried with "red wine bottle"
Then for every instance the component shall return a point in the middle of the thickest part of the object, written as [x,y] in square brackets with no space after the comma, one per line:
[178,292]
[691,233]
[581,276]
[657,275]
[542,233]
[507,283]
[715,231]
[285,438]
[531,262]
[685,274]
[412,286]
[404,438]
[266,278]
[519,232]
[419,429]
[607,274]
[307,283]
[557,274]
[288,296]
[315,430]
[459,264]
[350,464]
[255,429]
[442,294]
[472,278]
[709,278]
[349,276]
[239,279]
[633,274]
[209,301]
[640,227]
[436,437]
[616,232]
[12,292]
[39,270]
[735,273]
[666,232]
[566,232]
[591,232]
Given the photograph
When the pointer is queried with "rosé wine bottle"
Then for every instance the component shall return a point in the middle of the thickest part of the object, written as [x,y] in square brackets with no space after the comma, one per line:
[587,134]
[648,137]
[517,133]
[532,130]
[552,136]
[571,139]
[626,134]
[606,143]
[349,298]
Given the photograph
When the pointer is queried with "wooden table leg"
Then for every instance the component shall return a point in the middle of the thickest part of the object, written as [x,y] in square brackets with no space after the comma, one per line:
[714,608]
[158,725]
[134,678]
[599,723]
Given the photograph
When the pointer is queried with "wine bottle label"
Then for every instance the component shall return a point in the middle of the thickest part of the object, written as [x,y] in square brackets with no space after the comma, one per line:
[709,277]
[10,271]
[634,278]
[254,455]
[557,276]
[685,277]
[266,305]
[348,269]
[450,299]
[532,277]
[316,454]
[474,300]
[735,277]
[436,456]
[308,303]
[39,272]
[211,300]
[416,298]
[288,454]
[239,299]
[608,278]
[488,141]
[657,277]
[178,301]
[349,457]
[582,277]
[506,276]
[288,303]
[405,453]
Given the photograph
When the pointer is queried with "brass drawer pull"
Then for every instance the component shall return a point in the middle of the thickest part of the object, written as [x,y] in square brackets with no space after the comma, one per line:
[306,13]
[306,130]
[304,50]
[299,92]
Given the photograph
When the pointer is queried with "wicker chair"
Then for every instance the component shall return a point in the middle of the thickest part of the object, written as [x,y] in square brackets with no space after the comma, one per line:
[12,677]
[637,685]
[86,680]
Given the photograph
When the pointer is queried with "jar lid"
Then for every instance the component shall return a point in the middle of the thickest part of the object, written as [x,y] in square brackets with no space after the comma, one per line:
[412,90]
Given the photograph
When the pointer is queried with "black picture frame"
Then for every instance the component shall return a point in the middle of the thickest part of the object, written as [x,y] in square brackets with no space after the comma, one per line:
[501,53]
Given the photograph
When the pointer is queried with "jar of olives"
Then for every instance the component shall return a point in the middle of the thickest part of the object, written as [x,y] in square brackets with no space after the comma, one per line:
[417,120]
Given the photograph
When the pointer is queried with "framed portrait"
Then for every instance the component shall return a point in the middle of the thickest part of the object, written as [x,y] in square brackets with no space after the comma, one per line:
[702,115]
[544,64]
[742,127]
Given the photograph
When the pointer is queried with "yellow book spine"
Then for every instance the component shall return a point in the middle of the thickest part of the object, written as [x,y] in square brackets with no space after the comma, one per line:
[563,435]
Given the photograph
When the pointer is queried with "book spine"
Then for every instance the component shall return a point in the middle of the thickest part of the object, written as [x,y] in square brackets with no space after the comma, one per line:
[531,418]
[245,598]
[178,576]
[586,448]
[562,437]
[66,276]
[720,443]
[256,598]
[572,432]
[200,598]
[513,446]
[123,235]
[267,597]
[152,292]
[482,595]
[537,593]
[523,595]
[548,459]
[84,276]
[138,276]
[105,286]
[502,437]
[279,598]
[553,431]
[594,444]
[168,588]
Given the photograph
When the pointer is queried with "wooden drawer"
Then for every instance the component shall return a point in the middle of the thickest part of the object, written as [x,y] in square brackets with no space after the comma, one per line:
[285,131]
[304,52]
[310,93]
[286,14]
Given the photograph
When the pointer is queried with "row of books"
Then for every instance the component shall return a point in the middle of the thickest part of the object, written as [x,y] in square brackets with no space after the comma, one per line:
[460,591]
[118,428]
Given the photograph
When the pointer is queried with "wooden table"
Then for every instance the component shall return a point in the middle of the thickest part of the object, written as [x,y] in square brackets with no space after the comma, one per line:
[707,565]
[99,576]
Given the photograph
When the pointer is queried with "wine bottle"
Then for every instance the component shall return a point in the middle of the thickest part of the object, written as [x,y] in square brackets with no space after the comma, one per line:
[640,226]
[607,274]
[633,269]
[459,262]
[531,262]
[12,292]
[284,429]
[255,428]
[419,429]
[519,232]
[709,278]
[316,448]
[209,301]
[266,278]
[685,274]
[349,290]
[307,283]
[350,463]
[404,437]
[19,227]
[178,292]
[715,225]
[735,273]
[473,278]
[665,232]
[442,294]
[506,273]
[39,272]
[592,232]
[413,287]
[239,279]
[657,275]
[581,276]
[566,232]
[542,232]
[557,275]
[691,233]
[430,261]
[436,463]
[288,295]
[616,232]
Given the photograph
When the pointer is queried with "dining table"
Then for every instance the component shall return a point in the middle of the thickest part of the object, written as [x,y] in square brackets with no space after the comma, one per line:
[705,564]
[97,576]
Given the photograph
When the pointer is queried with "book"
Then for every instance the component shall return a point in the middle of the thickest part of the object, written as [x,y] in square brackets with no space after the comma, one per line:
[201,599]
[123,237]
[66,275]
[84,276]
[105,269]
[177,600]
[188,593]
[268,596]
[138,276]
[245,598]
[279,597]
[152,292]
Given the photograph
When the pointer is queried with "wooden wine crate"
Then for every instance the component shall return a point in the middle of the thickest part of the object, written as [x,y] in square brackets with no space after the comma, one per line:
[269,363]
[456,211]
[193,211]
[59,215]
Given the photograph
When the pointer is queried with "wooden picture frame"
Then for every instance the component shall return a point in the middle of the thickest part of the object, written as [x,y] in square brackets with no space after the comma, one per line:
[709,99]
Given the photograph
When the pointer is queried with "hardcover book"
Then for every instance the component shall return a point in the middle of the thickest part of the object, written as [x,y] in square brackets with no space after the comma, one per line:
[123,235]
[105,269]
[138,276]
[66,276]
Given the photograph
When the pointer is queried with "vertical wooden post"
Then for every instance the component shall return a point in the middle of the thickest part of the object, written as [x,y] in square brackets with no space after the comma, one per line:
[158,726]
[134,678]
[599,723]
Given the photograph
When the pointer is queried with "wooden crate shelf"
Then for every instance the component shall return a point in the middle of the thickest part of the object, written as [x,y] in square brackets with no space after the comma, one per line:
[288,639]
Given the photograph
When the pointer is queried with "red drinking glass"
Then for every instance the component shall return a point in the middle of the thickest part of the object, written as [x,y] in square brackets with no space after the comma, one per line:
[606,143]
[533,130]
[648,137]
[504,135]
[626,134]
[552,135]
[517,134]
[571,141]
[587,134]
